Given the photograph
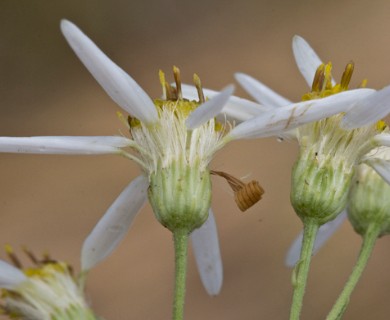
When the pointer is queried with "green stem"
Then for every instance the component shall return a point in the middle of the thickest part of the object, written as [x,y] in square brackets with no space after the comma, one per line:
[180,238]
[341,304]
[301,270]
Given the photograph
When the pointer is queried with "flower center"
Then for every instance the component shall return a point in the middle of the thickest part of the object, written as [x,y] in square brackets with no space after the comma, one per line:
[322,84]
[323,87]
[173,100]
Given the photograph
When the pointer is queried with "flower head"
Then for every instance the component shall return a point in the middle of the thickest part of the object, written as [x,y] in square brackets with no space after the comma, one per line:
[328,154]
[48,290]
[173,140]
[338,138]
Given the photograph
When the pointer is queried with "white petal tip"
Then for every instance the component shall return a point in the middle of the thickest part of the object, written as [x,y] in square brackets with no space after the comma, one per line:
[122,88]
[207,255]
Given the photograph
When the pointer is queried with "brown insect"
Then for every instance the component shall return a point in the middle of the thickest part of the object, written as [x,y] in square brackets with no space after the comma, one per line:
[245,194]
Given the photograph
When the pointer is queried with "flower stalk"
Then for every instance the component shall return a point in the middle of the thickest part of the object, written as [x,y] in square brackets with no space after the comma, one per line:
[369,240]
[180,239]
[301,270]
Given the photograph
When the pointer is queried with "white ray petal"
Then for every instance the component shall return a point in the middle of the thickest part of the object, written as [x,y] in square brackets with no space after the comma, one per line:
[260,92]
[209,109]
[10,276]
[324,233]
[381,166]
[112,227]
[306,58]
[236,108]
[369,110]
[382,139]
[117,83]
[64,145]
[290,117]
[207,255]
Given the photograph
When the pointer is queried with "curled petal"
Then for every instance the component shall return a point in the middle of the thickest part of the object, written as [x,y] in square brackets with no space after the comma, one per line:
[260,92]
[306,58]
[111,229]
[117,83]
[381,166]
[324,233]
[10,276]
[370,110]
[207,255]
[209,109]
[287,118]
[236,108]
[64,145]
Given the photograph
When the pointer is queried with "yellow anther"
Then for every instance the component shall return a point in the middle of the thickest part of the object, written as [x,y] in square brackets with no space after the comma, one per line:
[328,76]
[12,256]
[347,75]
[176,75]
[31,255]
[8,249]
[363,84]
[318,79]
[198,86]
[122,119]
[381,125]
[161,75]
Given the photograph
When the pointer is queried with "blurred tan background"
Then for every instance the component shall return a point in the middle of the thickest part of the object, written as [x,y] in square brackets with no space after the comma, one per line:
[50,203]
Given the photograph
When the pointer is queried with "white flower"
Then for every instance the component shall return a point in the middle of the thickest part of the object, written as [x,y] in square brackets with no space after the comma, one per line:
[162,133]
[48,290]
[338,142]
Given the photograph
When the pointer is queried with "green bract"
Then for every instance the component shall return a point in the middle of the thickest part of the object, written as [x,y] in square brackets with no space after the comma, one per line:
[369,201]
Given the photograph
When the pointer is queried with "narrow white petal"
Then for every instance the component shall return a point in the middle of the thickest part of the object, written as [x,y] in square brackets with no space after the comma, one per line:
[64,145]
[381,166]
[10,276]
[236,108]
[209,109]
[370,110]
[111,229]
[290,117]
[382,139]
[207,255]
[117,83]
[306,58]
[260,92]
[324,233]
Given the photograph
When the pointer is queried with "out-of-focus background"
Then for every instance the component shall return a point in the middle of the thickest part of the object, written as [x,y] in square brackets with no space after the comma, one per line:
[50,203]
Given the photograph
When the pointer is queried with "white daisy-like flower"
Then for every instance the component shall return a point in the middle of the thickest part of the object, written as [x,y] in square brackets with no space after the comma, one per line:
[47,290]
[163,132]
[330,148]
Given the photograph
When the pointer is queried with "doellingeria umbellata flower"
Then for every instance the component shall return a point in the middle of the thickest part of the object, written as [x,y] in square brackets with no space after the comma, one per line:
[46,290]
[373,132]
[369,213]
[173,140]
[330,149]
